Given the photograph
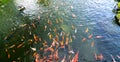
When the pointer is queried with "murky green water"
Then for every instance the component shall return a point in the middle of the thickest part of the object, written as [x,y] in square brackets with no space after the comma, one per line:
[94,15]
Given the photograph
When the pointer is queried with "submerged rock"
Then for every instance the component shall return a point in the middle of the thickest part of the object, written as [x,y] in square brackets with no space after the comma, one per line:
[117,19]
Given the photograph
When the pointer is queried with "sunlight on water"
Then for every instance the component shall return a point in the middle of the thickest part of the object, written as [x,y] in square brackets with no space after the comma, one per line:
[30,5]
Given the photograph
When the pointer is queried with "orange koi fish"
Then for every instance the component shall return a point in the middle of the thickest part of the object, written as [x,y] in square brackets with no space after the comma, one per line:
[56,57]
[62,38]
[90,36]
[57,38]
[92,44]
[8,55]
[20,45]
[33,25]
[36,38]
[12,46]
[62,44]
[67,40]
[13,51]
[83,39]
[75,58]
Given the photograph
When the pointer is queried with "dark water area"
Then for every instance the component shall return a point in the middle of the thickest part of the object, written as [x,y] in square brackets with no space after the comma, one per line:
[94,32]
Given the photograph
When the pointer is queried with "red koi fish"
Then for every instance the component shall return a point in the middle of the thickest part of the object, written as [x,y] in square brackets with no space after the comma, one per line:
[56,57]
[75,58]
[99,57]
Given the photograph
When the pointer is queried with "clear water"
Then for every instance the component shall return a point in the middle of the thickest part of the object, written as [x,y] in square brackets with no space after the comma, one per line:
[96,15]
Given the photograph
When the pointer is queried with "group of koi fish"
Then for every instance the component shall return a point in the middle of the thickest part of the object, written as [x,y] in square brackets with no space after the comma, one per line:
[57,42]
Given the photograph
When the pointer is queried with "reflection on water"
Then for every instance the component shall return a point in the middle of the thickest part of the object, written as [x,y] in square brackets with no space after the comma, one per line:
[31,6]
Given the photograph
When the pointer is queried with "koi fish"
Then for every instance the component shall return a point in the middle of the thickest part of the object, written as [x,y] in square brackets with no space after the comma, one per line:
[98,57]
[34,54]
[22,25]
[13,51]
[83,39]
[74,37]
[67,40]
[90,36]
[113,58]
[36,38]
[49,22]
[57,21]
[75,58]
[50,36]
[86,30]
[62,44]
[34,49]
[63,60]
[20,45]
[56,57]
[33,25]
[38,17]
[71,7]
[71,52]
[55,30]
[75,30]
[57,38]
[70,39]
[60,19]
[6,50]
[12,46]
[73,27]
[99,36]
[92,44]
[74,16]
[118,56]
[45,27]
[62,38]
[8,55]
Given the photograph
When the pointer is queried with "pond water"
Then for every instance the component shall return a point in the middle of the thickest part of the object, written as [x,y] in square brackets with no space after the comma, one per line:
[90,17]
